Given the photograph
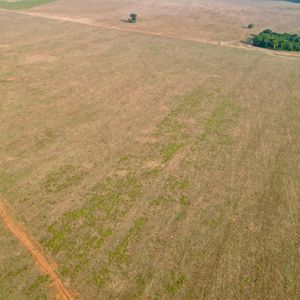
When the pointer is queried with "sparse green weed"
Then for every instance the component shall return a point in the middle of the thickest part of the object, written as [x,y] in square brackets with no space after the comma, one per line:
[169,151]
[66,176]
[119,253]
[101,277]
[175,282]
[37,283]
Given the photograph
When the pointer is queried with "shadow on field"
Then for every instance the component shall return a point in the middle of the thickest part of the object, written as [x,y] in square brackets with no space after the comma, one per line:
[124,21]
[248,41]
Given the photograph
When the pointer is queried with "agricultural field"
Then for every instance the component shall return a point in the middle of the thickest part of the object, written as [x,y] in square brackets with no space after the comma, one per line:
[156,160]
[21,4]
[20,278]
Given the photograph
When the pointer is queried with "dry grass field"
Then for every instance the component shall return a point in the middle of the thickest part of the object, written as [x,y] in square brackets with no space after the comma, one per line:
[159,164]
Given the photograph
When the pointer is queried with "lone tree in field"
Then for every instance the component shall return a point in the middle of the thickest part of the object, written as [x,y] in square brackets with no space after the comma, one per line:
[250,26]
[132,18]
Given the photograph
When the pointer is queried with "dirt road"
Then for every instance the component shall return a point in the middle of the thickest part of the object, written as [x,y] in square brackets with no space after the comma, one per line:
[19,233]
[91,22]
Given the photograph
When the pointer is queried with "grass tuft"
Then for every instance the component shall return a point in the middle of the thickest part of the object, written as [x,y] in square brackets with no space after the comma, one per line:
[175,283]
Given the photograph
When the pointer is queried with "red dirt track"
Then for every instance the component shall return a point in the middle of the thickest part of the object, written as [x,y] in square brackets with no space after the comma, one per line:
[39,257]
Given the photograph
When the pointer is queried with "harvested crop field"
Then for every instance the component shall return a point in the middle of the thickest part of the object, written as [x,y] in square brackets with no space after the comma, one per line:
[156,160]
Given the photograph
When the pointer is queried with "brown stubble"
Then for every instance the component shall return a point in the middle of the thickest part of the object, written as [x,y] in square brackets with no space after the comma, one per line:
[203,221]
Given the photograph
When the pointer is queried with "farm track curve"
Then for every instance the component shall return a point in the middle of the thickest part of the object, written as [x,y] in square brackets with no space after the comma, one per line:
[29,245]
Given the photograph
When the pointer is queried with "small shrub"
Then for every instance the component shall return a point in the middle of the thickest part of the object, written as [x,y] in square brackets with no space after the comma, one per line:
[133,18]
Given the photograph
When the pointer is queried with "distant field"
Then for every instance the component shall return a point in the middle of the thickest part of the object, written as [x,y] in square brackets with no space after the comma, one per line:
[209,20]
[150,167]
[22,4]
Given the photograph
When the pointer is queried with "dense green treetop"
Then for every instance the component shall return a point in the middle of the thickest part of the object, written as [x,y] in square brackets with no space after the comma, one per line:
[277,41]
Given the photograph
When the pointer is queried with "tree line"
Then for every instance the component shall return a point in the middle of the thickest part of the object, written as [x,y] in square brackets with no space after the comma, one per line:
[277,41]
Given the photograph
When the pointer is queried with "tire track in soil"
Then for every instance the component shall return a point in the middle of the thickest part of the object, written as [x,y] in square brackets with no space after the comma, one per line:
[39,257]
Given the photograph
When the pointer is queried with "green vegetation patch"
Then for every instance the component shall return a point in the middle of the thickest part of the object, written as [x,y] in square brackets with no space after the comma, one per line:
[217,125]
[277,41]
[173,126]
[169,151]
[101,277]
[40,280]
[119,254]
[92,236]
[175,282]
[66,176]
[114,197]
[175,190]
[209,149]
[22,4]
[108,201]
